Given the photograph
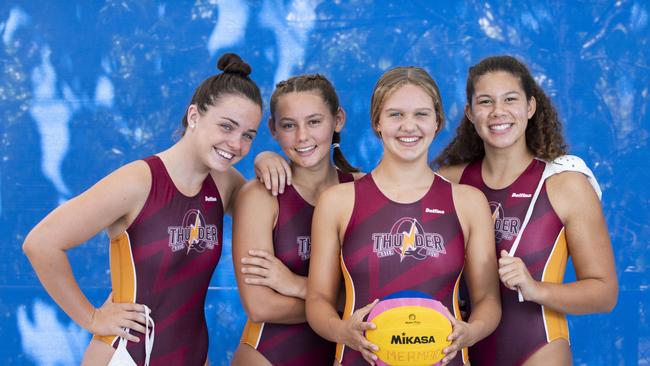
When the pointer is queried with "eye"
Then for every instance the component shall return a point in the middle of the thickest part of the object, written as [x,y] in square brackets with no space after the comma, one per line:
[313,122]
[226,127]
[395,114]
[511,99]
[287,125]
[484,101]
[422,114]
[248,136]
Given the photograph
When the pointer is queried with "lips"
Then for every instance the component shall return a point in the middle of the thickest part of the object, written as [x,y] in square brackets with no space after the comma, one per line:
[224,154]
[500,127]
[306,150]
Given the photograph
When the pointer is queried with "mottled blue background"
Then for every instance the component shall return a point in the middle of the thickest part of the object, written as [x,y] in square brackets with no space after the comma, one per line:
[86,86]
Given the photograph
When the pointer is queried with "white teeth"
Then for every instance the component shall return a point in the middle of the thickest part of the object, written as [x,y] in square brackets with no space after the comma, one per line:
[305,149]
[224,154]
[501,127]
[408,139]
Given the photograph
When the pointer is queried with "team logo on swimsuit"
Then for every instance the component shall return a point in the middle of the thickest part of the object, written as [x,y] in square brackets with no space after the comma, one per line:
[505,228]
[194,234]
[304,247]
[407,238]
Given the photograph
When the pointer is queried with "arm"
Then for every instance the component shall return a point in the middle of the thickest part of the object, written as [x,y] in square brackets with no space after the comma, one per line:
[331,216]
[596,289]
[272,170]
[480,270]
[112,203]
[254,218]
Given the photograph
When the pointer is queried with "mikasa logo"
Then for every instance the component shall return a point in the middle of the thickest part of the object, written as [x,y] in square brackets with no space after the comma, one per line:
[521,195]
[404,339]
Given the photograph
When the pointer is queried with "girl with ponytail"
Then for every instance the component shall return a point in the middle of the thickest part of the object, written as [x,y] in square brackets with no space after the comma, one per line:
[164,217]
[272,233]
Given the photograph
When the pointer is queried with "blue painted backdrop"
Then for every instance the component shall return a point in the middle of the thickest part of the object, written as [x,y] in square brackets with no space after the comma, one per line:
[86,86]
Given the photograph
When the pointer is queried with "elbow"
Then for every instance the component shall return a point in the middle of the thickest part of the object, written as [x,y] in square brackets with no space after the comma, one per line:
[257,313]
[610,299]
[29,246]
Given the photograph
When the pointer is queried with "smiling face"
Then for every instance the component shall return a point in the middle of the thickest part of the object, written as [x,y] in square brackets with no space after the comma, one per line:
[407,123]
[499,110]
[303,125]
[224,133]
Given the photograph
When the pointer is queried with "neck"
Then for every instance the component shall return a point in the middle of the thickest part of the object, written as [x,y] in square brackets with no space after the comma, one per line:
[403,173]
[311,182]
[501,167]
[185,168]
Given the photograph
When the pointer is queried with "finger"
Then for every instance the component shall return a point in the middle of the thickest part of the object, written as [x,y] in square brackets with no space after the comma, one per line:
[287,171]
[363,326]
[261,253]
[506,269]
[504,253]
[368,356]
[274,180]
[257,281]
[262,272]
[266,178]
[366,309]
[282,177]
[121,332]
[365,343]
[449,357]
[125,323]
[128,306]
[257,262]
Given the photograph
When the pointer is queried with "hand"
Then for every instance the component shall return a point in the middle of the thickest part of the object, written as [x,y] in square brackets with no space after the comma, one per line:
[114,318]
[515,276]
[460,338]
[269,271]
[352,333]
[273,171]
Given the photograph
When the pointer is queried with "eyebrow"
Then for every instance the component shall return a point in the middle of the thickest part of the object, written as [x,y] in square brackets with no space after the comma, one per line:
[417,109]
[237,124]
[506,93]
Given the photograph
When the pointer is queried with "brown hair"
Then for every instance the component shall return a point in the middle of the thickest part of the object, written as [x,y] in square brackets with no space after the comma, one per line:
[233,80]
[396,78]
[320,84]
[544,131]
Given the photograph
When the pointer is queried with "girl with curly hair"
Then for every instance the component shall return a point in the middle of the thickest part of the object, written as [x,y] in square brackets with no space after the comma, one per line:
[508,141]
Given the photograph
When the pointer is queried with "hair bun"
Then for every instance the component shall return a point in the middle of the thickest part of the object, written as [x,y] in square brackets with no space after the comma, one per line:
[233,64]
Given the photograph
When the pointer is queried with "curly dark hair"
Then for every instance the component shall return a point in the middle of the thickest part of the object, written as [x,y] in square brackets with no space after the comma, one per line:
[544,131]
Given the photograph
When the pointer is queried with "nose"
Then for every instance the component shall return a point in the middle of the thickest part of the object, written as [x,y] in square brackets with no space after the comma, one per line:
[234,142]
[408,124]
[497,109]
[302,134]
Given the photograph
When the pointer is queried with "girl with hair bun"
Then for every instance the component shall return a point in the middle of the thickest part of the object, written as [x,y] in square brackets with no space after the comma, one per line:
[164,218]
[372,233]
[271,253]
[509,145]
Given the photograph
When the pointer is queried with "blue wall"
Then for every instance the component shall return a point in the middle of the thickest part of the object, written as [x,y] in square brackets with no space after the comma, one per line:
[86,86]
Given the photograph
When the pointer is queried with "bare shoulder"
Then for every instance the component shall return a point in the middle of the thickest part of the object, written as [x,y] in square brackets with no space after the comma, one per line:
[337,198]
[255,191]
[571,193]
[467,195]
[130,180]
[452,172]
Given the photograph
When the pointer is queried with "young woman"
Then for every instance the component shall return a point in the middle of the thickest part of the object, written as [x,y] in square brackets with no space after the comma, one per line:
[508,134]
[164,215]
[375,230]
[271,253]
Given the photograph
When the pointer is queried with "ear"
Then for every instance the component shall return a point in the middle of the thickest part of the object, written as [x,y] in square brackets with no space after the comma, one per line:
[192,115]
[339,119]
[468,112]
[532,107]
[271,124]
